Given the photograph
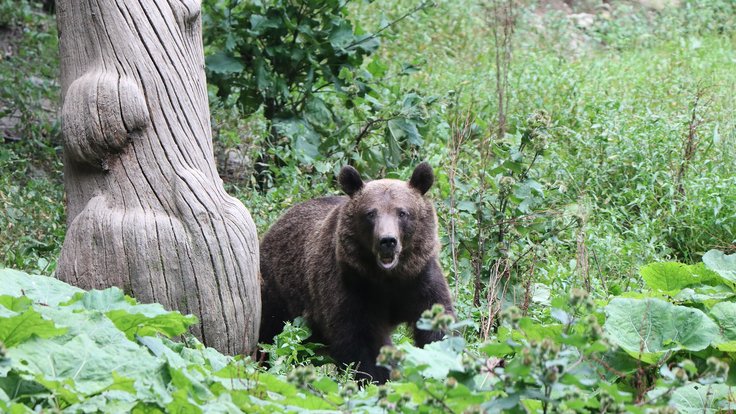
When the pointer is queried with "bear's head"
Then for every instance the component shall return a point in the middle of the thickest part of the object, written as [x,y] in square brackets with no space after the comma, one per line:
[387,225]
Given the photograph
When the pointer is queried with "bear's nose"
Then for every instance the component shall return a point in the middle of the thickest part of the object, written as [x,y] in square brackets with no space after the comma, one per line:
[388,243]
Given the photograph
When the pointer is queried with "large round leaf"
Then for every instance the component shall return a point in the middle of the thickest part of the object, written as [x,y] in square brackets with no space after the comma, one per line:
[724,314]
[671,277]
[697,398]
[648,328]
[41,289]
[721,263]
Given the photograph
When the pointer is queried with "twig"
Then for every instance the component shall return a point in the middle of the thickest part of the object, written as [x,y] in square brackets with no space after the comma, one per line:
[421,6]
[600,273]
[367,128]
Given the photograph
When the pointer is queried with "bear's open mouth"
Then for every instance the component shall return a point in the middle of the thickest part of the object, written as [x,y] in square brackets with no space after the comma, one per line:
[388,262]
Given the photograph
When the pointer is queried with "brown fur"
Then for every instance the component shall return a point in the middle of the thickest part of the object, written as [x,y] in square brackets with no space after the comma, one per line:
[322,260]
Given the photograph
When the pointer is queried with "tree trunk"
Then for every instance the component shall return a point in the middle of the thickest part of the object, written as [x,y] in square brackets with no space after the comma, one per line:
[147,211]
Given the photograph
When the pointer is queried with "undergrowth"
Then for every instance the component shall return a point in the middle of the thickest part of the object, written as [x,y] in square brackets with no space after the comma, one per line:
[666,349]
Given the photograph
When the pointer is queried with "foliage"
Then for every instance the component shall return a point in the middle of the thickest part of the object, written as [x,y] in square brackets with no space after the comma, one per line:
[573,362]
[649,353]
[289,348]
[499,217]
[100,351]
[291,51]
[305,66]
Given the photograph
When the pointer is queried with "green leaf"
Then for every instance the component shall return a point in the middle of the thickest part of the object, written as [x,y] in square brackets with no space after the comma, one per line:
[392,150]
[82,365]
[221,62]
[341,35]
[377,68]
[40,289]
[496,349]
[181,403]
[721,263]
[697,398]
[542,294]
[15,304]
[724,314]
[260,24]
[19,328]
[346,74]
[287,394]
[648,328]
[326,385]
[467,205]
[111,401]
[263,77]
[671,277]
[537,331]
[403,128]
[705,295]
[304,139]
[177,367]
[437,359]
[100,300]
[12,408]
[317,113]
[132,318]
[205,357]
[169,324]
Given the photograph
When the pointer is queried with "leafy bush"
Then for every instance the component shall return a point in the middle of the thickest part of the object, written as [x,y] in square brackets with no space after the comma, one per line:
[495,212]
[303,66]
[280,54]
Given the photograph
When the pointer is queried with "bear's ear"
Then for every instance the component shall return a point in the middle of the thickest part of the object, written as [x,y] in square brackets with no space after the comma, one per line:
[350,180]
[422,178]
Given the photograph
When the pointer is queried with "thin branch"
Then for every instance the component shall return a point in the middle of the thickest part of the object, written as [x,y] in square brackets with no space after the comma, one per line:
[421,6]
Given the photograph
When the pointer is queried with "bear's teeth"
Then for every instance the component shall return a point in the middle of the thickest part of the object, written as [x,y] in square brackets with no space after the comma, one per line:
[388,263]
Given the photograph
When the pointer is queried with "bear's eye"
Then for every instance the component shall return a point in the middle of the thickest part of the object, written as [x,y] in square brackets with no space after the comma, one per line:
[370,215]
[403,214]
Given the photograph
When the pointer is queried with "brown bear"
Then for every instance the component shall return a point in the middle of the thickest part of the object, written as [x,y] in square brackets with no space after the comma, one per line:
[355,267]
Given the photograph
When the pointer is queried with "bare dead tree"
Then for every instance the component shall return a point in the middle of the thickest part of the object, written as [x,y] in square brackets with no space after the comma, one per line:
[691,140]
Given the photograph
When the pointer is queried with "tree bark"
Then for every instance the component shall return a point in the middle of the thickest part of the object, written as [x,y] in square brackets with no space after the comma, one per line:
[147,211]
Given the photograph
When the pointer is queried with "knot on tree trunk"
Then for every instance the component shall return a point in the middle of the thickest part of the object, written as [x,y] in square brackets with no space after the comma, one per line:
[101,112]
